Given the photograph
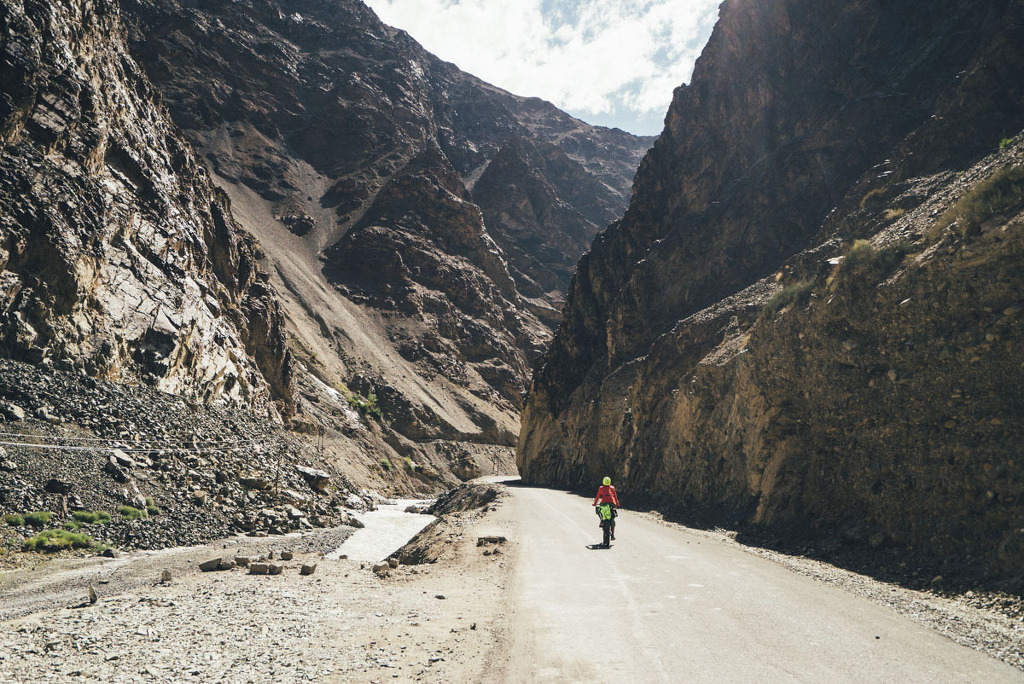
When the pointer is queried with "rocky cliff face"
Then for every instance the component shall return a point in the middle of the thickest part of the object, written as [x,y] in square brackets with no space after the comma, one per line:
[329,86]
[420,224]
[118,256]
[422,249]
[809,317]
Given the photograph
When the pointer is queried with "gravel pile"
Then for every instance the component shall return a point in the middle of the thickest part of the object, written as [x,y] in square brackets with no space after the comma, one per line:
[199,472]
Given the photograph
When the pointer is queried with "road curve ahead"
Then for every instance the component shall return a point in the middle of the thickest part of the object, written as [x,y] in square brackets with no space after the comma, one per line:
[666,605]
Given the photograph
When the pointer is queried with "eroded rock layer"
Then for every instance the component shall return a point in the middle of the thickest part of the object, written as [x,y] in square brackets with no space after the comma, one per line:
[810,316]
[118,255]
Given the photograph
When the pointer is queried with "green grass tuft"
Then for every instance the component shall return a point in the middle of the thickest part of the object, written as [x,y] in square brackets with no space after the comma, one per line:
[132,513]
[862,257]
[1003,191]
[873,199]
[385,463]
[14,520]
[366,405]
[51,541]
[152,510]
[38,518]
[92,517]
[799,292]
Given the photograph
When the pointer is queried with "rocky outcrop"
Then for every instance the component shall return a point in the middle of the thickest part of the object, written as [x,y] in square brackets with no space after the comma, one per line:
[731,351]
[543,209]
[118,255]
[422,249]
[329,85]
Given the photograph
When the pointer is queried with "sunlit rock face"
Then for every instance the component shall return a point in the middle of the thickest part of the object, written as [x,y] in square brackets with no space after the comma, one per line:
[729,349]
[118,255]
[454,209]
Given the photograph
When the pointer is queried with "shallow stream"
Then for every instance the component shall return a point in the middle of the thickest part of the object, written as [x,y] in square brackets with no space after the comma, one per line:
[387,530]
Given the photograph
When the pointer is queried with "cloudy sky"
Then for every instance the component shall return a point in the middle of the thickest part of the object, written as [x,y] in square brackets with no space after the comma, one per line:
[608,62]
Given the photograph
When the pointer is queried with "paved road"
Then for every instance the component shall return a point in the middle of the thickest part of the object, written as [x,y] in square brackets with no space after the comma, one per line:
[665,605]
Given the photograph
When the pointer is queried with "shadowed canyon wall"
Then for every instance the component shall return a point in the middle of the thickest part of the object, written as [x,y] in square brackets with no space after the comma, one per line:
[805,321]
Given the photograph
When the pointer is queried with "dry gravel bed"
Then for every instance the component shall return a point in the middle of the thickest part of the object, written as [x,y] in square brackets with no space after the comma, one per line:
[344,623]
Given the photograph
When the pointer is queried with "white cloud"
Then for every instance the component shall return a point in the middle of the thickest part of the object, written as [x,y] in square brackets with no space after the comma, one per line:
[607,61]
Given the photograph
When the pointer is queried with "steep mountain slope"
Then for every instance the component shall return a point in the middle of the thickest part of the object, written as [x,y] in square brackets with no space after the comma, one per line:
[355,156]
[158,370]
[118,255]
[730,349]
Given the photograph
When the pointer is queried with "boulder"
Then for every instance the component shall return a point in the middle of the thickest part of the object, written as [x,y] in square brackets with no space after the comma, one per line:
[483,541]
[216,564]
[58,486]
[287,555]
[317,479]
[308,569]
[259,568]
[45,413]
[254,482]
[117,472]
[295,498]
[12,411]
[122,459]
[275,569]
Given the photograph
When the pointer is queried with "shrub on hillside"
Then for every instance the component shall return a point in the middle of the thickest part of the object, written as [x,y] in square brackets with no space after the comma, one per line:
[862,257]
[132,513]
[38,518]
[873,199]
[366,406]
[1003,191]
[799,292]
[51,541]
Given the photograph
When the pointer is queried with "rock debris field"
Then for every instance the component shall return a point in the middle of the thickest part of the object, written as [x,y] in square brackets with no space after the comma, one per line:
[207,471]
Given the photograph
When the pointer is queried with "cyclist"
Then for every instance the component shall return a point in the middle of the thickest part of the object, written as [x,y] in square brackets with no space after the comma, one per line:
[606,494]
